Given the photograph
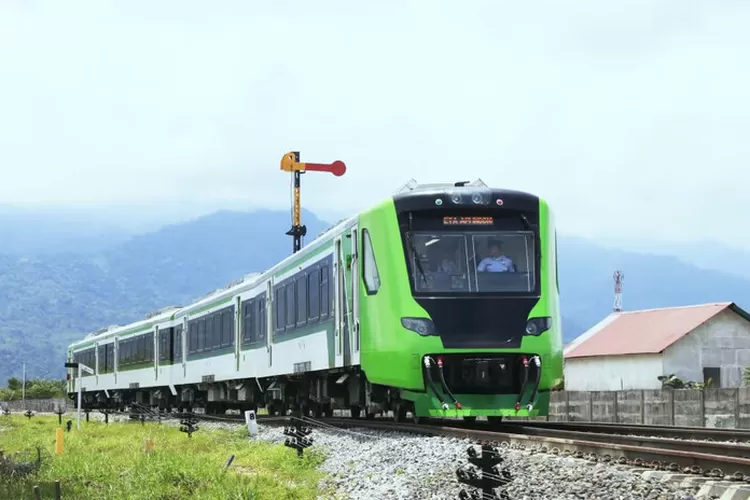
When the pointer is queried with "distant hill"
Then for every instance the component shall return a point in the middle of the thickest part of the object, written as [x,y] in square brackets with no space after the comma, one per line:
[39,231]
[50,300]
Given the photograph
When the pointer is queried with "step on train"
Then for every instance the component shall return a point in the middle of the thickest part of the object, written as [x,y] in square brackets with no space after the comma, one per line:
[440,301]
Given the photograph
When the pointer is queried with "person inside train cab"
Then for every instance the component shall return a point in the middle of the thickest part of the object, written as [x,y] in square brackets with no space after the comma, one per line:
[496,262]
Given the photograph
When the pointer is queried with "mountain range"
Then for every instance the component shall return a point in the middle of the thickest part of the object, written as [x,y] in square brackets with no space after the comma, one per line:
[59,283]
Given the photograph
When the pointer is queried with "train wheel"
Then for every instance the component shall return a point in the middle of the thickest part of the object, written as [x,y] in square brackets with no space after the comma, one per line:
[414,418]
[399,412]
[356,411]
[317,410]
[328,410]
[495,421]
[471,419]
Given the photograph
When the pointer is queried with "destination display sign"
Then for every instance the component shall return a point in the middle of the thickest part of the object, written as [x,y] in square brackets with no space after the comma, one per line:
[473,220]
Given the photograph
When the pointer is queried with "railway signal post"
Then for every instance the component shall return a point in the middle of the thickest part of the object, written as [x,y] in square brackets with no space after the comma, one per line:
[290,162]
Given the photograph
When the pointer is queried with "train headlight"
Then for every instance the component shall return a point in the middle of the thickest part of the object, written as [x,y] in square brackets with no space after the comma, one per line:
[423,326]
[537,326]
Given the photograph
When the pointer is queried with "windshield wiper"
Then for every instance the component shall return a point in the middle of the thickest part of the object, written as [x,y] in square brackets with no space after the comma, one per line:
[417,259]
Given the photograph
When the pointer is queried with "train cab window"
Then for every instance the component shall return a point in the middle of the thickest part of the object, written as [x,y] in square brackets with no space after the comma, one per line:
[370,273]
[504,262]
[459,262]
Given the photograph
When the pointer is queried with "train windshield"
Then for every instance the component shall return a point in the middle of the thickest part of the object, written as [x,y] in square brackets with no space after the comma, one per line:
[453,262]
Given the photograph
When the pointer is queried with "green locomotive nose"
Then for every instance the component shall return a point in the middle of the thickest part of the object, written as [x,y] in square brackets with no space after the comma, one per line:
[465,318]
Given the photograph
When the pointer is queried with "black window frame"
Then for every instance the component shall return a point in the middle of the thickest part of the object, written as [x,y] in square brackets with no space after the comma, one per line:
[290,306]
[325,292]
[368,252]
[227,328]
[300,299]
[280,309]
[313,295]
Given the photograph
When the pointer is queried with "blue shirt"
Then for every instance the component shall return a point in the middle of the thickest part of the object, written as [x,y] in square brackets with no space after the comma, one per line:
[500,264]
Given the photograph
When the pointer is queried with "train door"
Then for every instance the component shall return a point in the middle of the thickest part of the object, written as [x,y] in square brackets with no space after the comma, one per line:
[339,304]
[355,295]
[344,299]
[270,322]
[183,345]
[156,349]
[238,324]
[96,362]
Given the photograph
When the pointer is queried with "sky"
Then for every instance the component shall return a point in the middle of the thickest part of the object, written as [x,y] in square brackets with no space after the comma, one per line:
[630,118]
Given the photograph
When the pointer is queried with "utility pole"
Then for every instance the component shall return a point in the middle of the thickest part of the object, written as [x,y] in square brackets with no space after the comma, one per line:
[23,387]
[290,163]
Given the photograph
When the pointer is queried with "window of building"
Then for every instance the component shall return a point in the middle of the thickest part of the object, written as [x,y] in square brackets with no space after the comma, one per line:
[713,374]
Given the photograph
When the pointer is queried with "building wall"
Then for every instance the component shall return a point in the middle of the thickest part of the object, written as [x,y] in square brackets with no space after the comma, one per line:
[723,342]
[613,373]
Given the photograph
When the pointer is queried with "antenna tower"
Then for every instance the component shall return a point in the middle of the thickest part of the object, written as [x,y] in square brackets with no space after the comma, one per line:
[618,277]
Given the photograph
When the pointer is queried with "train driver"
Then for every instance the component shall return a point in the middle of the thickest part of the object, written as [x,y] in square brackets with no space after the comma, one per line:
[496,262]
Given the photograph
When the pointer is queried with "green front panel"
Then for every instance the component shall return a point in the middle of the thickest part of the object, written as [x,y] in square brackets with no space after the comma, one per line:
[391,355]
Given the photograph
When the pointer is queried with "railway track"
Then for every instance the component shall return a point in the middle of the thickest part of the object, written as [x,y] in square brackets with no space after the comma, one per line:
[666,431]
[651,447]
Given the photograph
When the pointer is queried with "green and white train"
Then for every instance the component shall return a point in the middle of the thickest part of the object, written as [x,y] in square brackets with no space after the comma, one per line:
[441,301]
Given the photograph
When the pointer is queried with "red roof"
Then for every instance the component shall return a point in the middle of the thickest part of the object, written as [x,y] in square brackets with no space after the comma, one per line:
[644,332]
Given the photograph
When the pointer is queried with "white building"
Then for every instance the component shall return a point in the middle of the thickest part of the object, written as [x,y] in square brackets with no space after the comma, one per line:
[629,350]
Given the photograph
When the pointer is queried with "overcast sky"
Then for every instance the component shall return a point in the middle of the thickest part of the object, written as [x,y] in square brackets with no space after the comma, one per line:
[630,118]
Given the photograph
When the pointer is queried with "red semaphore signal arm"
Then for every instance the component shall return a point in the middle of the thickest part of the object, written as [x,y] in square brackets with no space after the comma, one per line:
[290,163]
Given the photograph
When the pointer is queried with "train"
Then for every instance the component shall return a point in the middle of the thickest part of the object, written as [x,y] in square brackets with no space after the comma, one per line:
[441,301]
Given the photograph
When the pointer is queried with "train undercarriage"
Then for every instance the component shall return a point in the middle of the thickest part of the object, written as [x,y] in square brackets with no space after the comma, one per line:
[318,394]
[313,394]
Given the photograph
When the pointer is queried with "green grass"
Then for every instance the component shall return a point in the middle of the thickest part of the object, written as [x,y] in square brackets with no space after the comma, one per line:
[109,461]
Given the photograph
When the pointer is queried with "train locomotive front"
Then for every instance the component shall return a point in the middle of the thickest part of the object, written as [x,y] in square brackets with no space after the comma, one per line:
[459,310]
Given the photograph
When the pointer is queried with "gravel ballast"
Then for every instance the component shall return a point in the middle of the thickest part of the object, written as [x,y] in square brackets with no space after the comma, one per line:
[368,464]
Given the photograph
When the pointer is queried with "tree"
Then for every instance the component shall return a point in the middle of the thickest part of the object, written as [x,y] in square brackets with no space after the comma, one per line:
[14,384]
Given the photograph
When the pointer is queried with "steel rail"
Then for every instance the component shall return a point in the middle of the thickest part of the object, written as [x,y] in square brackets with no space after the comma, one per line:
[697,433]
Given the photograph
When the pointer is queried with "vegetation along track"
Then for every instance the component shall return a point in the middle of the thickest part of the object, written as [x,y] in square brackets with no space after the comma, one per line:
[715,459]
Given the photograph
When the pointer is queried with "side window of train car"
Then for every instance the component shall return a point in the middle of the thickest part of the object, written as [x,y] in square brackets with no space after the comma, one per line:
[370,273]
